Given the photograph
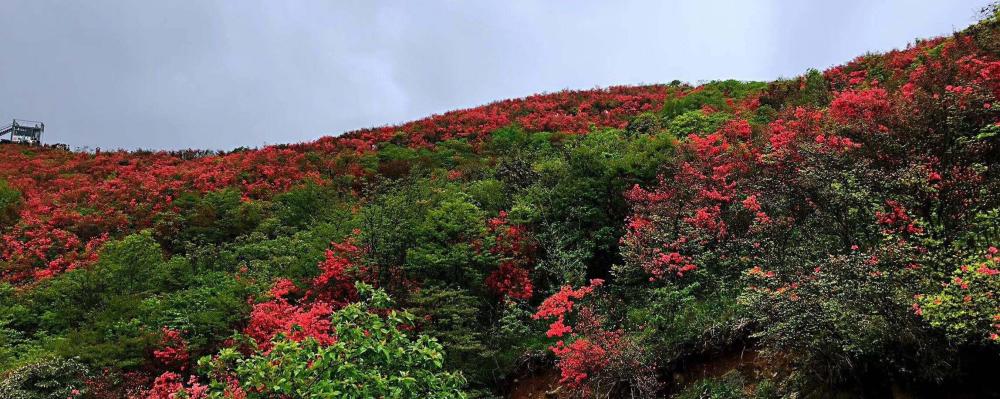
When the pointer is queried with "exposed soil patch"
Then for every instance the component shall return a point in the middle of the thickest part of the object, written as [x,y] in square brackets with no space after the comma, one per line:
[746,362]
[544,384]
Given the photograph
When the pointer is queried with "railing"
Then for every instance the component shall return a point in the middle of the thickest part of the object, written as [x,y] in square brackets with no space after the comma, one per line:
[22,131]
[9,134]
[27,123]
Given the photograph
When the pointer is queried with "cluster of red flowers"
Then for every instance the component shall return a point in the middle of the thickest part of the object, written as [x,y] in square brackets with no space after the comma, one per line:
[308,317]
[860,106]
[560,304]
[981,72]
[592,347]
[584,357]
[515,250]
[897,220]
[173,352]
[171,386]
[664,264]
[698,197]
[337,272]
[296,322]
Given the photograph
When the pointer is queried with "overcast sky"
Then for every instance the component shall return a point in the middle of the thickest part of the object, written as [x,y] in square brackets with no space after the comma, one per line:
[223,74]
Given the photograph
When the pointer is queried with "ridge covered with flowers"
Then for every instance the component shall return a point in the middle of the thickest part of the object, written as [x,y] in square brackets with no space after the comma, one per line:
[830,234]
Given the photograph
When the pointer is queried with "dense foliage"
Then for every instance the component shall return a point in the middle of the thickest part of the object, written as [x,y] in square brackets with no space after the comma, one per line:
[832,234]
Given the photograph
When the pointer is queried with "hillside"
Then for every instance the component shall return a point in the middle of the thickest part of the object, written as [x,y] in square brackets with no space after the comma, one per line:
[828,235]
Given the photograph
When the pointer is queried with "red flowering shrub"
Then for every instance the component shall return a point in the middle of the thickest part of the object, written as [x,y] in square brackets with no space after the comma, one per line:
[583,358]
[560,304]
[173,351]
[595,361]
[510,281]
[335,283]
[860,106]
[692,209]
[515,251]
[268,319]
[332,289]
[171,386]
[897,220]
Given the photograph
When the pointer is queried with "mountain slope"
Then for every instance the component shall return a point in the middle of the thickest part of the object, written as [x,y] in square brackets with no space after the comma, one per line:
[829,234]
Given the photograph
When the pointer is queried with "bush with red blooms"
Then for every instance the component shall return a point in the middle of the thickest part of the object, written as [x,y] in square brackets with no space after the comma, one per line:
[173,352]
[513,247]
[865,107]
[172,386]
[308,317]
[560,304]
[337,273]
[674,220]
[595,361]
[298,322]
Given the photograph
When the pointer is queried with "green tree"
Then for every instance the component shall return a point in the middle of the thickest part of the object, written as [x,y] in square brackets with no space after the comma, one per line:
[51,378]
[443,247]
[374,357]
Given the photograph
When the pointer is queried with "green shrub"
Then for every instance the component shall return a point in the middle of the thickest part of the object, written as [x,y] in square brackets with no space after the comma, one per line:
[214,218]
[844,320]
[729,386]
[307,204]
[53,378]
[695,122]
[374,356]
[452,317]
[645,123]
[683,322]
[966,307]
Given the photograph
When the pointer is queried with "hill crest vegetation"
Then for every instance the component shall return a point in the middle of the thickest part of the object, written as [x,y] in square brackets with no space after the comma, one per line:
[831,234]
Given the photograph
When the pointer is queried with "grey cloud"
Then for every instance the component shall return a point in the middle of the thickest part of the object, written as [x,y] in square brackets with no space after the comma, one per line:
[222,74]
